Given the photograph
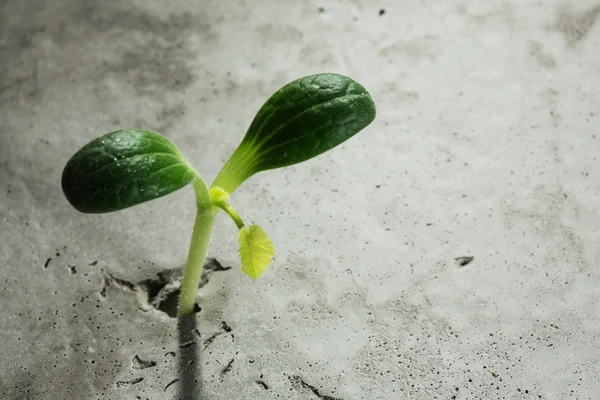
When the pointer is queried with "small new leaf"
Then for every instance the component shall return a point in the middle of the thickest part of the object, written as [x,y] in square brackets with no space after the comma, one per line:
[122,169]
[256,250]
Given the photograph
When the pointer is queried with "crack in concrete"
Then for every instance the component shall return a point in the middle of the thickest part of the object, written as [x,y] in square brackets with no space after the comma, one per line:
[162,291]
[300,385]
[262,384]
[109,279]
[187,344]
[174,381]
[224,328]
[122,284]
[127,384]
[227,368]
[211,266]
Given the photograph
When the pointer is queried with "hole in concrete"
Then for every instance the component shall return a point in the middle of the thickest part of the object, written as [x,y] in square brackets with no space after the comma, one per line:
[169,304]
[464,261]
[162,291]
[138,363]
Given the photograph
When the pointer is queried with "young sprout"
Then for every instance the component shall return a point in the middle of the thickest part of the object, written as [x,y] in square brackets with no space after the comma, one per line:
[305,118]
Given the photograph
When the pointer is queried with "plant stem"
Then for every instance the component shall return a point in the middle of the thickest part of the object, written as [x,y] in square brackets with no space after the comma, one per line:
[232,213]
[205,218]
[237,169]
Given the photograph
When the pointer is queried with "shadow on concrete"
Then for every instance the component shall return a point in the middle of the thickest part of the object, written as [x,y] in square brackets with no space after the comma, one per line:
[190,374]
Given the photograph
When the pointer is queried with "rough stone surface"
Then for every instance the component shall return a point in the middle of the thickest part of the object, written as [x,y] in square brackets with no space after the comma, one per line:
[486,145]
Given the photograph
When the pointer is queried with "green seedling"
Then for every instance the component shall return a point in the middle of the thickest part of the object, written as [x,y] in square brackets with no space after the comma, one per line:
[121,169]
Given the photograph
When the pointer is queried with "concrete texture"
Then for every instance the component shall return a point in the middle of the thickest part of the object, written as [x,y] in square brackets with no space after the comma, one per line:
[485,146]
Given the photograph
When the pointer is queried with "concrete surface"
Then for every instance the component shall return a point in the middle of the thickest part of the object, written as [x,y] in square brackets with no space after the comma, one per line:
[485,145]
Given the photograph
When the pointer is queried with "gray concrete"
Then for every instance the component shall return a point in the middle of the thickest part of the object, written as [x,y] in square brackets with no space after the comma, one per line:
[486,145]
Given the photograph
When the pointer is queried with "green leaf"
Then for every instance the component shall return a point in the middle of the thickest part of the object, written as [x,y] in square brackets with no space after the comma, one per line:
[305,118]
[122,169]
[256,250]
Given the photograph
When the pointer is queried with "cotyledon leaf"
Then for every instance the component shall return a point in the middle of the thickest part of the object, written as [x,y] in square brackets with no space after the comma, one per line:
[122,169]
[256,250]
[305,118]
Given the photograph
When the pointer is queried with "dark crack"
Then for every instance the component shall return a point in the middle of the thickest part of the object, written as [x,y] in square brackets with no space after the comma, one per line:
[174,381]
[187,344]
[138,363]
[301,386]
[122,284]
[127,384]
[47,262]
[211,266]
[262,384]
[109,279]
[227,368]
[105,285]
[224,328]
